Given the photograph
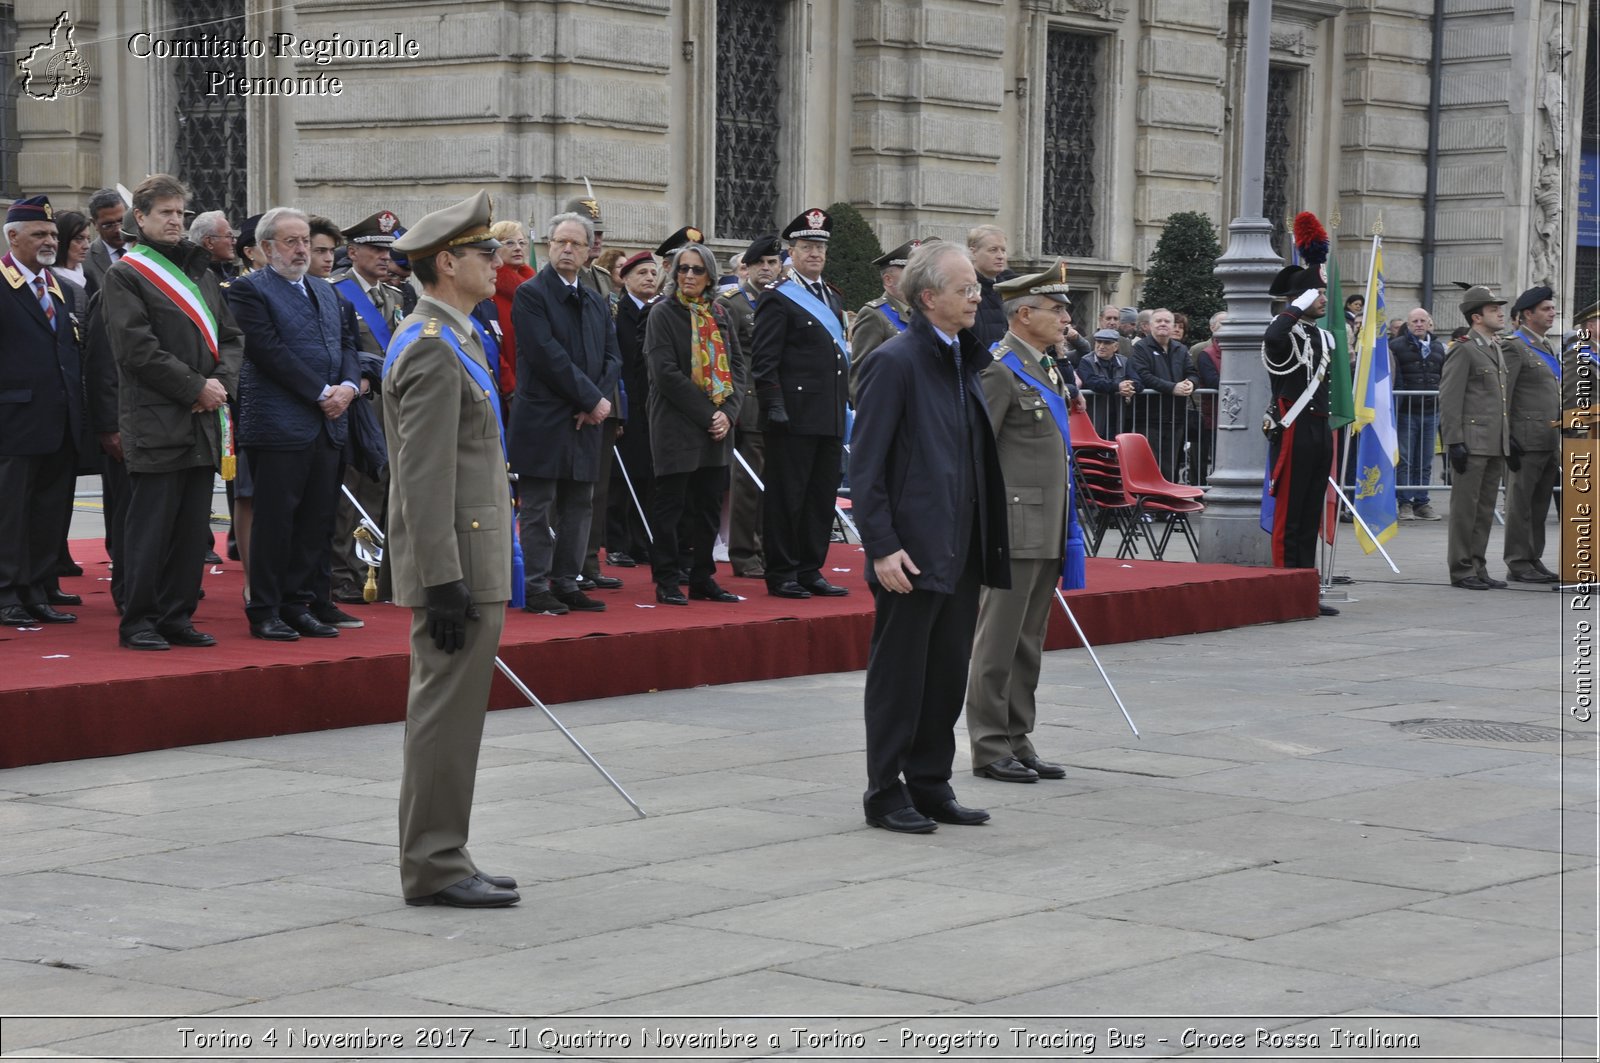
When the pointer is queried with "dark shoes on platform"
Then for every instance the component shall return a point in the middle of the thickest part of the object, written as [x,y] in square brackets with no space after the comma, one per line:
[57,596]
[597,582]
[952,811]
[787,589]
[546,604]
[1043,768]
[579,602]
[904,821]
[823,589]
[144,640]
[1008,769]
[669,594]
[212,558]
[926,819]
[273,629]
[44,614]
[333,616]
[310,626]
[475,891]
[618,559]
[184,636]
[709,591]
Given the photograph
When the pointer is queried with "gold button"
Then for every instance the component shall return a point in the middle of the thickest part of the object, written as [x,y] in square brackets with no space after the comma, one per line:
[474,525]
[485,392]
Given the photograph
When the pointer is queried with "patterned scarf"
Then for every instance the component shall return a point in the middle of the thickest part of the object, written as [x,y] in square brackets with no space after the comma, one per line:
[710,370]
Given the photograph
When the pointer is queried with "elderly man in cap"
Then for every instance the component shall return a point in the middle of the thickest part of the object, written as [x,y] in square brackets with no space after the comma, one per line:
[1027,397]
[759,265]
[881,318]
[1475,389]
[450,535]
[176,367]
[41,418]
[1111,376]
[626,538]
[1534,408]
[799,363]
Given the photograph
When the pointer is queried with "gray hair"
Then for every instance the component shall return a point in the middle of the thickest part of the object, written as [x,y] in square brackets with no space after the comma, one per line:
[670,287]
[267,227]
[1217,321]
[979,232]
[561,219]
[1017,302]
[207,224]
[926,271]
[105,197]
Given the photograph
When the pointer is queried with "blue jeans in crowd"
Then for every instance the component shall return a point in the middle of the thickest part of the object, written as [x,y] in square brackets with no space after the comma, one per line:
[1419,433]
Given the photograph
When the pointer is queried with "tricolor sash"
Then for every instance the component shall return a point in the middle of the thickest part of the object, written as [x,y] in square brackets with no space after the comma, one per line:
[176,285]
[1072,562]
[367,310]
[801,296]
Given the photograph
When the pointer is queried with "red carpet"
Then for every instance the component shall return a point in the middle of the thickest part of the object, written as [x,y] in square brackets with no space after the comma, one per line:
[69,691]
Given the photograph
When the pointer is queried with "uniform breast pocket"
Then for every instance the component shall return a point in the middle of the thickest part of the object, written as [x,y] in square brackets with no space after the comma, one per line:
[1035,412]
[1025,513]
[478,534]
[484,413]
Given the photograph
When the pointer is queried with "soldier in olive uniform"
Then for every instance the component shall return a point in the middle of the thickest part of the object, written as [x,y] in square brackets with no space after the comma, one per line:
[1474,395]
[1009,644]
[449,541]
[884,317]
[1535,409]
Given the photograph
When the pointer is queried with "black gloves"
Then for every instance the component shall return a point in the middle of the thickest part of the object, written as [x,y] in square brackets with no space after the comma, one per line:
[778,417]
[1458,457]
[1514,459]
[449,608]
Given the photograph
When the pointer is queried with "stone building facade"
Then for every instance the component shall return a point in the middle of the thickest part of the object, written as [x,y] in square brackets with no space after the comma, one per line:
[1078,125]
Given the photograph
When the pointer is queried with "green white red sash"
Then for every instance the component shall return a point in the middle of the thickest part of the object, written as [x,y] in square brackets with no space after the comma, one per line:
[176,285]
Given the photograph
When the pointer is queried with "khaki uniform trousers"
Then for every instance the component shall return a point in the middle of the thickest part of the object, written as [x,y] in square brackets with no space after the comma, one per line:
[1472,498]
[1006,654]
[445,707]
[1528,494]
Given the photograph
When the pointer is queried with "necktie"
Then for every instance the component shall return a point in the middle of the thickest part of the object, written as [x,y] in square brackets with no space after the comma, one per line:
[376,294]
[961,380]
[44,301]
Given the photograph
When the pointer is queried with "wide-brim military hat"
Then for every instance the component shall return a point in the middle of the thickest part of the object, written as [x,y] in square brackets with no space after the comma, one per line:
[380,229]
[686,235]
[898,257]
[813,224]
[632,262]
[762,247]
[587,207]
[466,224]
[34,208]
[1048,284]
[1476,298]
[1291,282]
[1532,298]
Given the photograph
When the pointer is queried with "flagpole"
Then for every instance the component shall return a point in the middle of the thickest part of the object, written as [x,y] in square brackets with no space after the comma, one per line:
[1351,506]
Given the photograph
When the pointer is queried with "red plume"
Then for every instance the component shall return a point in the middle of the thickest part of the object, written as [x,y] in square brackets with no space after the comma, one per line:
[1310,238]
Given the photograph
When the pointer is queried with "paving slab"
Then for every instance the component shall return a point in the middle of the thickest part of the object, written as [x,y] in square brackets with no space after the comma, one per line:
[1431,864]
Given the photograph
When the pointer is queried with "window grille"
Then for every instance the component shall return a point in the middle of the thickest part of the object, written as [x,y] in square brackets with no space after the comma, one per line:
[1281,85]
[1072,69]
[748,116]
[210,155]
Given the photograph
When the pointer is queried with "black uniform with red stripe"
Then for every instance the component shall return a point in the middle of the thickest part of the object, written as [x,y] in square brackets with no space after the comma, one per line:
[1302,456]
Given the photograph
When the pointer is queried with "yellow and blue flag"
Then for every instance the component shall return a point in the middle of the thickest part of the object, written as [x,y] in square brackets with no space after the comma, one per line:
[1377,441]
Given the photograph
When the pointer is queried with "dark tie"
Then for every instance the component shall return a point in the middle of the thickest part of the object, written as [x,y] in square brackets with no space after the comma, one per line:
[44,301]
[961,380]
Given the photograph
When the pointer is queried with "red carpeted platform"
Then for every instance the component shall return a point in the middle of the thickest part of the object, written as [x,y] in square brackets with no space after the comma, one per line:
[69,691]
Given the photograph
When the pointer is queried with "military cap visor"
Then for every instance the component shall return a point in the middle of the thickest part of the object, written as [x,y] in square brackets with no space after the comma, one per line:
[1476,298]
[1048,284]
[814,224]
[898,257]
[1532,298]
[381,228]
[466,224]
[686,235]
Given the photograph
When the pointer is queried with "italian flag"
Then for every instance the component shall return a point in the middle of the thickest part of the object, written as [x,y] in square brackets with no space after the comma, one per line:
[177,286]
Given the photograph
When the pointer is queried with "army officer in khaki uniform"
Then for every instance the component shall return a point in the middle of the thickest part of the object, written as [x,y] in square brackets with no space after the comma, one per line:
[450,528]
[1009,643]
[1474,390]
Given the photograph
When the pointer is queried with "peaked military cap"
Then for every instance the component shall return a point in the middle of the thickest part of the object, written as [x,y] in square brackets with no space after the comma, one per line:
[1588,313]
[762,247]
[1050,283]
[1476,298]
[1532,298]
[464,225]
[632,262]
[686,235]
[898,256]
[381,228]
[814,224]
[588,207]
[34,208]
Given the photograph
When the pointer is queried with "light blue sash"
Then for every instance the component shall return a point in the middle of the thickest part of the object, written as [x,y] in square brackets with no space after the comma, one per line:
[801,296]
[368,312]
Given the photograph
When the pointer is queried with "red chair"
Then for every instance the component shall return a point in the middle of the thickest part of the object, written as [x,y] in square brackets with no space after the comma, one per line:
[1153,494]
[1103,504]
[1084,435]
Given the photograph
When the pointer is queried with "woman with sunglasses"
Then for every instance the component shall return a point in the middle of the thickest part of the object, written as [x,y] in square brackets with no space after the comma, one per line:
[698,373]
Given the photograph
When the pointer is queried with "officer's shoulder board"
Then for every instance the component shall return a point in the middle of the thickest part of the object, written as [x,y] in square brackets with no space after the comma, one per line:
[879,301]
[432,329]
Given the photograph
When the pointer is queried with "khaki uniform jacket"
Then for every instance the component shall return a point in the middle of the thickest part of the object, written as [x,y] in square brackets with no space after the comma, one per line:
[872,327]
[389,306]
[1535,403]
[449,497]
[1033,456]
[741,308]
[1474,395]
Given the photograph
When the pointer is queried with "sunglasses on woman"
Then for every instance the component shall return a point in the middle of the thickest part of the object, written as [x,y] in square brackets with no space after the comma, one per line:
[693,271]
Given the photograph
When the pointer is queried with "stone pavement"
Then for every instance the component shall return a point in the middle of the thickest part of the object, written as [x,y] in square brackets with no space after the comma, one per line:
[1275,849]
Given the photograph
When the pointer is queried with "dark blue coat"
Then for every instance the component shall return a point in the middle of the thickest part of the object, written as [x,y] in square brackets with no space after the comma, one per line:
[41,377]
[905,460]
[796,365]
[294,348]
[567,361]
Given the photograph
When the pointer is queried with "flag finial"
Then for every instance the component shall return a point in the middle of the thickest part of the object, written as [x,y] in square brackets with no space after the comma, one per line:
[1377,226]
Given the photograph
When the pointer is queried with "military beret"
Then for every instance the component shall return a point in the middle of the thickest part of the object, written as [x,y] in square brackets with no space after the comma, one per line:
[381,229]
[1476,298]
[1532,298]
[898,256]
[34,208]
[1050,283]
[814,224]
[632,261]
[686,235]
[1107,335]
[761,247]
[588,207]
[466,224]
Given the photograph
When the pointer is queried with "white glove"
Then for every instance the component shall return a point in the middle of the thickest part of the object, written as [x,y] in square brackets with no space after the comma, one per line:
[1306,298]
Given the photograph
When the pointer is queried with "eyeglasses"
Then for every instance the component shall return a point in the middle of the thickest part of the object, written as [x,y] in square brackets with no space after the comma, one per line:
[109,225]
[971,291]
[693,271]
[292,242]
[225,237]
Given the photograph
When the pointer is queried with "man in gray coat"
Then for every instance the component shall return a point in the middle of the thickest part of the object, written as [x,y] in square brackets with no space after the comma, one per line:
[1535,409]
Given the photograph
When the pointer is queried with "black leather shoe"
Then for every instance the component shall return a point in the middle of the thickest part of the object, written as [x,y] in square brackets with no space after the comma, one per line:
[710,592]
[310,626]
[904,821]
[505,882]
[273,630]
[144,640]
[472,892]
[579,602]
[350,596]
[1008,769]
[46,615]
[1326,610]
[1471,583]
[952,811]
[1539,567]
[55,596]
[1496,584]
[604,583]
[787,589]
[1043,768]
[212,558]
[333,616]
[189,637]
[823,589]
[670,595]
[618,559]
[16,616]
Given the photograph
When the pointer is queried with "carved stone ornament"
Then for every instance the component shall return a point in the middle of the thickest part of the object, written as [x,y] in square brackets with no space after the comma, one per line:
[1230,403]
[1291,41]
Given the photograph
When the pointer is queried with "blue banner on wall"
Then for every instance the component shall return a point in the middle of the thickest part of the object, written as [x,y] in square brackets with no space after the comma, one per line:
[1588,208]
